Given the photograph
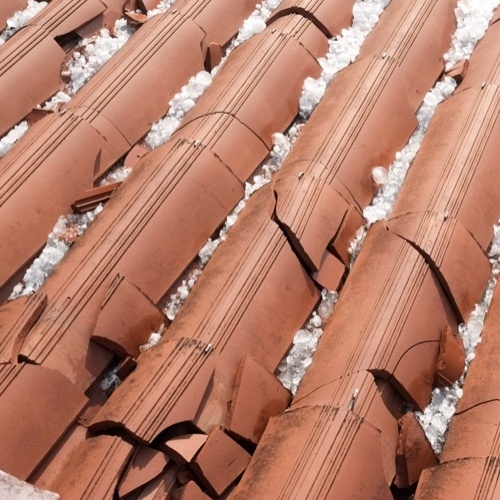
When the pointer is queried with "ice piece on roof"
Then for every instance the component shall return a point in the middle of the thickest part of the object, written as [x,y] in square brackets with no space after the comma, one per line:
[380,175]
[8,140]
[94,53]
[21,18]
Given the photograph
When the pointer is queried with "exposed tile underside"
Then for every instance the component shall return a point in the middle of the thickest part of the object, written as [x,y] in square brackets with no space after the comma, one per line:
[191,411]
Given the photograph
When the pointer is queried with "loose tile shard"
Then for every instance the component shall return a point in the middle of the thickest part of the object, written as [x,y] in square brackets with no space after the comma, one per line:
[145,465]
[414,453]
[220,462]
[126,319]
[257,397]
[94,468]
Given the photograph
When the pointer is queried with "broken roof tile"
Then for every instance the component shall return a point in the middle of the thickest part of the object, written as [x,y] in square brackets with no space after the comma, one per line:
[127,319]
[31,413]
[184,447]
[145,465]
[173,364]
[94,468]
[220,462]
[258,395]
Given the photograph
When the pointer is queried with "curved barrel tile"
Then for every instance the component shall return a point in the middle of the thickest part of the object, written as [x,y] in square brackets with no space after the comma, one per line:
[104,120]
[449,202]
[67,148]
[35,49]
[470,458]
[250,300]
[370,111]
[32,418]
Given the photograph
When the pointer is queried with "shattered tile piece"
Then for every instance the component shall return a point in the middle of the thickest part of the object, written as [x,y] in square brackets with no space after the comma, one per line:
[93,197]
[258,395]
[220,462]
[414,453]
[146,464]
[183,448]
[127,319]
[190,491]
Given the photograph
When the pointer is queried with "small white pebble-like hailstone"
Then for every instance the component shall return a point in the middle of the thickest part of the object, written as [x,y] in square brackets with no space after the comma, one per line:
[380,175]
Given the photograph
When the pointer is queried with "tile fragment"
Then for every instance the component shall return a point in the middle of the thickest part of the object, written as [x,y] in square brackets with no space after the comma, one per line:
[414,452]
[220,462]
[93,197]
[183,448]
[257,396]
[190,491]
[127,319]
[145,465]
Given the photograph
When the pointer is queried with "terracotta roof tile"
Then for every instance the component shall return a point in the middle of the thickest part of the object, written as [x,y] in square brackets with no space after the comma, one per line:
[470,456]
[25,404]
[35,49]
[126,320]
[94,468]
[257,397]
[146,464]
[220,462]
[348,134]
